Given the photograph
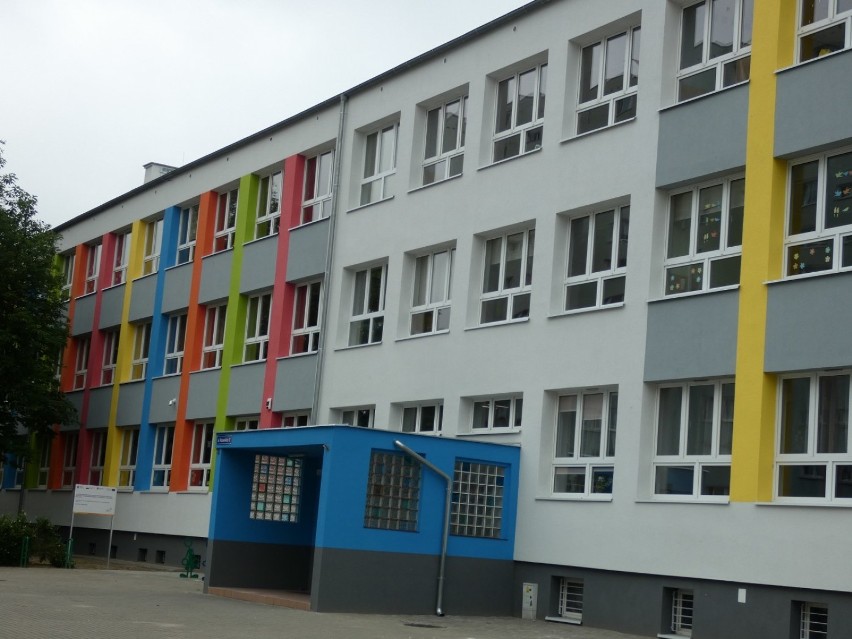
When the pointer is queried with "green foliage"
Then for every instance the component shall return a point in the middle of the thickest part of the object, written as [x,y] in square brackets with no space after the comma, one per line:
[45,543]
[33,329]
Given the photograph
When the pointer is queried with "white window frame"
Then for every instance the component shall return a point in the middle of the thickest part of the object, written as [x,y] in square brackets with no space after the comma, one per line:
[175,345]
[97,444]
[413,419]
[431,302]
[200,455]
[379,169]
[141,348]
[368,306]
[269,191]
[529,133]
[738,59]
[69,458]
[122,254]
[358,416]
[296,419]
[698,464]
[161,469]
[683,608]
[317,193]
[596,470]
[214,336]
[67,275]
[494,292]
[693,271]
[127,457]
[492,409]
[258,323]
[226,220]
[110,358]
[619,103]
[93,268]
[446,160]
[44,463]
[247,422]
[81,362]
[152,245]
[307,315]
[813,620]
[819,26]
[187,234]
[570,603]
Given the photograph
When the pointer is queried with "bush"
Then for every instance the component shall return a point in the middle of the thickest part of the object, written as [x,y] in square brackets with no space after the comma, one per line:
[45,543]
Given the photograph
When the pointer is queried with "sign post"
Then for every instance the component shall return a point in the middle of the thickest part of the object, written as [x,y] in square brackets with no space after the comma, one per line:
[92,500]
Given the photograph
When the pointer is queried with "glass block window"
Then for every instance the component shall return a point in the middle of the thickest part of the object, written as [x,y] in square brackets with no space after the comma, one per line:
[477,507]
[393,492]
[276,488]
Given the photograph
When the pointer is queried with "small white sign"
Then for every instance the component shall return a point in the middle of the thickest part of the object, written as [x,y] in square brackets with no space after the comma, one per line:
[94,500]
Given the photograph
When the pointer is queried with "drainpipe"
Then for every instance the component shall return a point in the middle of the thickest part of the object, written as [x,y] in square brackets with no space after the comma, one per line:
[439,607]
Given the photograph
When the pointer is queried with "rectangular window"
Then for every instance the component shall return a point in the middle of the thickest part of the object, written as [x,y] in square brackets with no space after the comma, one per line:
[819,220]
[571,599]
[446,127]
[81,363]
[69,458]
[609,80]
[97,440]
[507,277]
[187,232]
[296,419]
[379,164]
[164,440]
[44,464]
[824,27]
[497,413]
[199,461]
[715,46]
[695,428]
[520,113]
[214,336]
[175,341]
[151,250]
[316,201]
[247,423]
[682,607]
[368,306]
[306,318]
[268,205]
[584,454]
[477,500]
[423,418]
[93,267]
[122,252]
[393,492]
[704,237]
[226,221]
[430,304]
[127,460]
[361,417]
[258,312]
[276,488]
[110,357]
[597,259]
[141,344]
[67,275]
[813,620]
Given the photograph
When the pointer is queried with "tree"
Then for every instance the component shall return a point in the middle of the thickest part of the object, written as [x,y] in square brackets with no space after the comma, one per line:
[33,327]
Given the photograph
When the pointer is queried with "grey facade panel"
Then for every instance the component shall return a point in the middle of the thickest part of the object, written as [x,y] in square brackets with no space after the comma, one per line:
[258,271]
[142,298]
[215,277]
[807,323]
[203,394]
[84,315]
[100,400]
[295,381]
[242,564]
[799,128]
[176,288]
[165,389]
[133,546]
[246,389]
[692,337]
[76,399]
[112,305]
[703,138]
[130,404]
[307,252]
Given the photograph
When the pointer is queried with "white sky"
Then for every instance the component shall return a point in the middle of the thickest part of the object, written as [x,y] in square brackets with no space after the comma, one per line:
[94,89]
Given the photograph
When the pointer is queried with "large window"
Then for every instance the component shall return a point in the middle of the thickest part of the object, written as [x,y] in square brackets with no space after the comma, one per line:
[597,259]
[430,304]
[306,318]
[226,221]
[705,236]
[97,441]
[141,345]
[520,113]
[379,164]
[175,340]
[187,232]
[258,313]
[69,458]
[497,413]
[507,277]
[214,336]
[393,492]
[368,306]
[423,418]
[276,488]
[199,462]
[268,205]
[93,267]
[316,201]
[584,454]
[695,427]
[295,419]
[361,416]
[110,356]
[127,459]
[67,264]
[249,422]
[715,46]
[477,500]
[122,251]
[151,249]
[609,79]
[814,458]
[819,222]
[161,473]
[81,363]
[824,27]
[445,132]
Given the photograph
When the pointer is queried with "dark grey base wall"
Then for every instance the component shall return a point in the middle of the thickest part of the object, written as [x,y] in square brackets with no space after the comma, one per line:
[167,550]
[641,604]
[239,564]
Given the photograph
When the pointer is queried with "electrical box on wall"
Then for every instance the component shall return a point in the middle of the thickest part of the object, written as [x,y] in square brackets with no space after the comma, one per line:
[529,605]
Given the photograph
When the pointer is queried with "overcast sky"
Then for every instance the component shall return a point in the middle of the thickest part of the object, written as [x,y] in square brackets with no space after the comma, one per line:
[94,89]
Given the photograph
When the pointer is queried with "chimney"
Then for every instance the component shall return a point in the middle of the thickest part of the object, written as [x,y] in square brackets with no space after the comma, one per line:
[153,170]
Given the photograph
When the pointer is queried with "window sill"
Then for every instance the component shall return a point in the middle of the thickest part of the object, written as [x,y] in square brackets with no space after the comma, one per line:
[683,499]
[609,127]
[356,346]
[573,622]
[312,222]
[254,361]
[812,60]
[296,355]
[812,502]
[408,338]
[511,159]
[590,309]
[604,498]
[521,320]
[259,239]
[429,186]
[808,276]
[490,432]
[164,375]
[680,296]
[147,275]
[112,286]
[703,97]
[369,204]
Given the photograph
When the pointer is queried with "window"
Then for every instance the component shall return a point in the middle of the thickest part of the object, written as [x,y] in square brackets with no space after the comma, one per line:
[226,221]
[93,266]
[277,488]
[316,202]
[199,462]
[164,439]
[695,427]
[584,456]
[175,340]
[609,79]
[824,27]
[97,441]
[597,259]
[819,222]
[292,420]
[497,413]
[44,463]
[446,126]
[715,46]
[813,620]
[122,251]
[393,492]
[507,280]
[814,459]
[69,458]
[570,599]
[141,344]
[520,113]
[257,327]
[247,423]
[127,460]
[268,205]
[682,606]
[214,336]
[67,275]
[430,304]
[379,164]
[151,250]
[423,418]
[110,357]
[368,306]
[361,417]
[187,232]
[477,500]
[705,235]
[306,318]
[81,363]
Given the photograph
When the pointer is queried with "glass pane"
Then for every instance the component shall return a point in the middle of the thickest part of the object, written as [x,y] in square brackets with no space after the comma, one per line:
[359,332]
[528,267]
[493,256]
[673,480]
[722,15]
[360,293]
[846,258]
[387,150]
[502,412]
[581,296]
[514,260]
[507,147]
[843,6]
[569,480]
[697,84]
[532,139]
[578,246]
[427,418]
[624,109]
[456,165]
[833,414]
[814,11]
[736,208]
[692,35]
[592,119]
[421,323]
[440,266]
[376,329]
[433,172]
[409,419]
[795,407]
[623,229]
[736,71]
[838,191]
[526,97]
[680,219]
[716,480]
[810,258]
[375,292]
[590,437]
[709,227]
[590,72]
[613,290]
[602,480]
[324,177]
[843,482]
[616,58]
[612,421]
[310,179]
[521,306]
[505,104]
[699,434]
[519,411]
[433,120]
[823,42]
[566,424]
[684,279]
[668,422]
[421,280]
[801,481]
[313,306]
[301,305]
[443,322]
[542,90]
[725,272]
[634,58]
[494,310]
[602,241]
[262,197]
[746,23]
[451,126]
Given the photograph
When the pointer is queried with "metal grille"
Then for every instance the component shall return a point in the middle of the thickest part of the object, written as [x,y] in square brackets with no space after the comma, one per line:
[682,612]
[571,598]
[814,623]
[393,492]
[276,488]
[477,499]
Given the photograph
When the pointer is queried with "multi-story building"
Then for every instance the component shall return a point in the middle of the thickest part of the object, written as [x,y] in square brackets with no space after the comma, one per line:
[615,236]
